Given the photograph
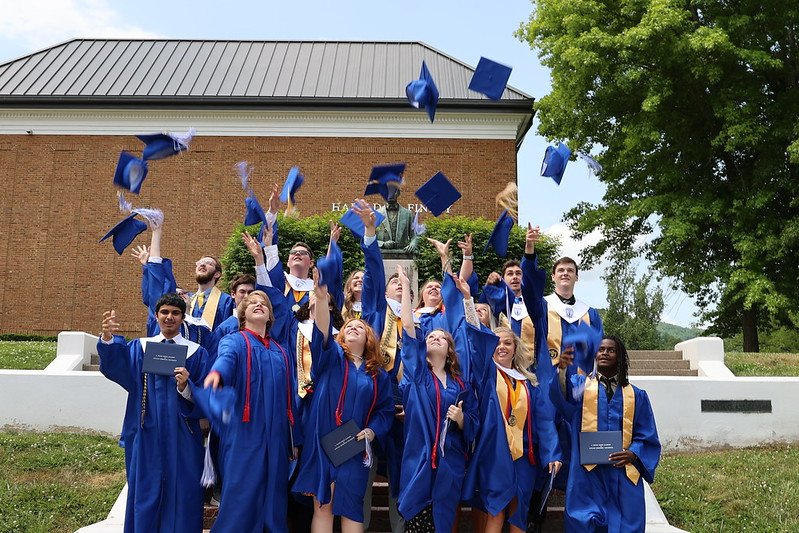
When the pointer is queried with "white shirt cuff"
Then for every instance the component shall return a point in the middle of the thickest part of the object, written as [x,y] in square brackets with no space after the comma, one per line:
[186,393]
[155,259]
[272,256]
[262,276]
[369,240]
[105,341]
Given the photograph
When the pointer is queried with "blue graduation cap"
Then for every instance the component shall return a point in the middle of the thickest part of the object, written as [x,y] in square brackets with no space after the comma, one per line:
[585,340]
[555,160]
[354,223]
[501,234]
[438,194]
[382,176]
[125,232]
[327,268]
[254,214]
[294,181]
[423,92]
[130,172]
[163,145]
[217,405]
[490,78]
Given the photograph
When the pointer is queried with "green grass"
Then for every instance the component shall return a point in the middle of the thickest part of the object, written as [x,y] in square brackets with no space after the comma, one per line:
[752,489]
[26,355]
[762,364]
[57,482]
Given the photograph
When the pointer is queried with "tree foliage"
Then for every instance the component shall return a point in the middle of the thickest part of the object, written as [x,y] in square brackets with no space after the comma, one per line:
[692,109]
[315,231]
[634,309]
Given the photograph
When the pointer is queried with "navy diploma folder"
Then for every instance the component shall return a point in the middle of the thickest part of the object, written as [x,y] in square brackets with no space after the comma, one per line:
[162,358]
[595,446]
[341,444]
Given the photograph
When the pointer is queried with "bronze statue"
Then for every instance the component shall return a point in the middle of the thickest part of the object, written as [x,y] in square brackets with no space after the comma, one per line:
[395,234]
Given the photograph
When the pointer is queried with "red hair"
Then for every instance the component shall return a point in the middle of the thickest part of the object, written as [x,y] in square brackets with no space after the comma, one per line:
[371,349]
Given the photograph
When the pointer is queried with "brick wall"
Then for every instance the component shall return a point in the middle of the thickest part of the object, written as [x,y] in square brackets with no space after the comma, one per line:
[57,200]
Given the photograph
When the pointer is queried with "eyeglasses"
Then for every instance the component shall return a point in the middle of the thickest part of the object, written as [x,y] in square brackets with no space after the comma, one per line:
[206,262]
[300,252]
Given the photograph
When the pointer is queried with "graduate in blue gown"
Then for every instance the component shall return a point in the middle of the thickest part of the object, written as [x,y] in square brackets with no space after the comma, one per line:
[257,446]
[608,497]
[161,432]
[517,432]
[349,384]
[440,426]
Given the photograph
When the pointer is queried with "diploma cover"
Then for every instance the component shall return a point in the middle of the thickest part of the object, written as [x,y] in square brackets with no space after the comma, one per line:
[162,358]
[595,446]
[341,444]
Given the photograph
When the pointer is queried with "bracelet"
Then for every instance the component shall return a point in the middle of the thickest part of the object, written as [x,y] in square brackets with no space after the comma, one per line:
[468,258]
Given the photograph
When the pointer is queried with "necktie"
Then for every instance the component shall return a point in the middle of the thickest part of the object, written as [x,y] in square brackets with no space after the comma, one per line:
[200,299]
[169,341]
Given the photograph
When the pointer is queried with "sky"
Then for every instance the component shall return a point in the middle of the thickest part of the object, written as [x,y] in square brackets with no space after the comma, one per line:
[464,29]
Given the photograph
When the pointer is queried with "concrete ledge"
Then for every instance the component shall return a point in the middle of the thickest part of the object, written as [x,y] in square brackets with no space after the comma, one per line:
[115,522]
[74,349]
[655,519]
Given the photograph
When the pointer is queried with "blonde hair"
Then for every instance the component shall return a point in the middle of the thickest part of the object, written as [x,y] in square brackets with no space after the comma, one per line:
[522,358]
[242,308]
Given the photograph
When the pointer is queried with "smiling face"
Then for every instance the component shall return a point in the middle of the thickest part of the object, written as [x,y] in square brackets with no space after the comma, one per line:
[170,318]
[505,350]
[431,294]
[355,336]
[256,311]
[355,283]
[437,343]
[484,314]
[300,261]
[607,358]
[564,277]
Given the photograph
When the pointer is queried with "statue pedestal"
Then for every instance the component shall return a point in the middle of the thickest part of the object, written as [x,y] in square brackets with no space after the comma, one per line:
[390,262]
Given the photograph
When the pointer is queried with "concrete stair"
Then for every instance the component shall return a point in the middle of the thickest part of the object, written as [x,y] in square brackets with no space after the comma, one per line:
[659,363]
[94,365]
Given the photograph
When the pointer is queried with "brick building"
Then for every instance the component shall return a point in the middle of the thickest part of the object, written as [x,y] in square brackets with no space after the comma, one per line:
[333,108]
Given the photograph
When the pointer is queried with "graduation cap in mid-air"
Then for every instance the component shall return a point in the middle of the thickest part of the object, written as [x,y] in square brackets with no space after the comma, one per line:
[163,145]
[130,172]
[490,78]
[498,240]
[125,232]
[355,224]
[555,160]
[438,194]
[423,92]
[382,176]
[294,181]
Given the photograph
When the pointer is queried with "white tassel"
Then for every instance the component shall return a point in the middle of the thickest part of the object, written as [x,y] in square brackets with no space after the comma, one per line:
[594,168]
[208,478]
[244,169]
[418,228]
[124,206]
[443,438]
[367,460]
[154,217]
[182,140]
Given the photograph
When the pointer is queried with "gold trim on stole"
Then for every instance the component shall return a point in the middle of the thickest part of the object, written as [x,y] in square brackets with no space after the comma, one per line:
[555,333]
[514,433]
[209,311]
[303,355]
[390,342]
[591,419]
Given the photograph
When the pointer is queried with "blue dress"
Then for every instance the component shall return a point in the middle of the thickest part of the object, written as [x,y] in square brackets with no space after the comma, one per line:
[493,478]
[164,452]
[430,476]
[255,447]
[349,391]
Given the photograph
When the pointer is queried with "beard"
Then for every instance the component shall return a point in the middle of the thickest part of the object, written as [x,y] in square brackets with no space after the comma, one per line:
[202,279]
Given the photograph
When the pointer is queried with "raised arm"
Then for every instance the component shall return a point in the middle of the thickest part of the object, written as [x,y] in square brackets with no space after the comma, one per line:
[321,308]
[336,285]
[373,296]
[467,265]
[442,248]
[406,313]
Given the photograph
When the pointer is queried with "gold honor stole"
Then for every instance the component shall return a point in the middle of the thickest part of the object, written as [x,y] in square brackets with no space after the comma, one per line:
[514,417]
[298,295]
[209,311]
[390,342]
[555,333]
[591,419]
[303,353]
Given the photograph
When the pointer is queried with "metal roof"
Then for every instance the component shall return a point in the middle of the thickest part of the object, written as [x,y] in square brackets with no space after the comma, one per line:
[119,71]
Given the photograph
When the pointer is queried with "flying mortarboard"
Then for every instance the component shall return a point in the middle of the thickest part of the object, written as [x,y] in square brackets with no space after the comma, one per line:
[555,160]
[490,78]
[500,235]
[163,145]
[438,194]
[294,181]
[326,266]
[130,172]
[381,176]
[125,232]
[354,223]
[423,92]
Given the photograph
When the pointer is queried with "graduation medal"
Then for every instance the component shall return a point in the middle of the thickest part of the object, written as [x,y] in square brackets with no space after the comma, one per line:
[512,420]
[295,307]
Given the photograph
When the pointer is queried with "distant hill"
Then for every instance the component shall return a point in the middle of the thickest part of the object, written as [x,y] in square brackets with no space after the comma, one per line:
[679,332]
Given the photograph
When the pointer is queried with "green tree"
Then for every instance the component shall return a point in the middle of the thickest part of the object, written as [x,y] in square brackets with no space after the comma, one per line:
[692,108]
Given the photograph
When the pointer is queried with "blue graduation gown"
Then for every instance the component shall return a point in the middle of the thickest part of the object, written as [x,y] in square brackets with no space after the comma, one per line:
[316,472]
[158,279]
[255,455]
[422,484]
[374,309]
[493,478]
[164,456]
[223,310]
[604,499]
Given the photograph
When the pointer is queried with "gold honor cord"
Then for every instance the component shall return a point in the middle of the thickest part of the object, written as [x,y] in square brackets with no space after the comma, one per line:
[303,354]
[514,423]
[591,420]
[555,333]
[389,343]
